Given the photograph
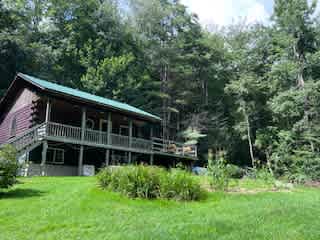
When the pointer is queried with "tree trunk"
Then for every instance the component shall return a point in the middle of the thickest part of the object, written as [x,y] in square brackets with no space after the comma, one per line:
[300,59]
[269,162]
[164,76]
[249,140]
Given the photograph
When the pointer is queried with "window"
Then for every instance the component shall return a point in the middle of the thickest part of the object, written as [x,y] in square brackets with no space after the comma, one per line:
[13,129]
[55,155]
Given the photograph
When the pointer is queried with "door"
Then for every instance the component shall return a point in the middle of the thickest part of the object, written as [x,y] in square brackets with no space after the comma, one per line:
[124,130]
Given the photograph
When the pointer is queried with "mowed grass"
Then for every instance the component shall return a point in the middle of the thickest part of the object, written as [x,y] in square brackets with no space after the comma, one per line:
[75,208]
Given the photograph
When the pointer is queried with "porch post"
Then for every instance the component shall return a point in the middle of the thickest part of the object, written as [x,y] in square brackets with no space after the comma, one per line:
[107,157]
[130,140]
[48,111]
[151,132]
[130,132]
[151,159]
[83,128]
[80,160]
[129,157]
[151,136]
[44,158]
[109,128]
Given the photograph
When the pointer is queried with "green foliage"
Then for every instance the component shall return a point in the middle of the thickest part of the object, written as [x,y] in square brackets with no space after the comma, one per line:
[235,171]
[150,182]
[8,166]
[252,90]
[261,174]
[180,185]
[132,181]
[219,173]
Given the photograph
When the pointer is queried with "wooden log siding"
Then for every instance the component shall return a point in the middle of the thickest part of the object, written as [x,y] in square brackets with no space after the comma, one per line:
[21,109]
[23,117]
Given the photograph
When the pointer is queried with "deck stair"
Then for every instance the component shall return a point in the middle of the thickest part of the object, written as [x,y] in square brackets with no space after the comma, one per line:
[29,140]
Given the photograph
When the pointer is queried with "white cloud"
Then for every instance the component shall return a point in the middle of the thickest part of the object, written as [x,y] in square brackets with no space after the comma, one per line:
[224,12]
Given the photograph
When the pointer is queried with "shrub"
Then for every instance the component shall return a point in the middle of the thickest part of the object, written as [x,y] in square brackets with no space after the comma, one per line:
[261,174]
[235,171]
[104,177]
[180,185]
[150,182]
[298,178]
[8,166]
[219,174]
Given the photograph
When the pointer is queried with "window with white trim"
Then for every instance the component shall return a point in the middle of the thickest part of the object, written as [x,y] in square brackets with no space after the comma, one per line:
[55,155]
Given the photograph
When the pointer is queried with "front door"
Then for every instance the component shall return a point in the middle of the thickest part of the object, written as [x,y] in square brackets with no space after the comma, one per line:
[124,130]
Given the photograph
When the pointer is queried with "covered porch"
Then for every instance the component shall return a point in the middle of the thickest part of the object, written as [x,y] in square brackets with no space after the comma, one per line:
[107,136]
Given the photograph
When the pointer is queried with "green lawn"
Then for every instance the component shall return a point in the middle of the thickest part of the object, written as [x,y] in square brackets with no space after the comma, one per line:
[74,208]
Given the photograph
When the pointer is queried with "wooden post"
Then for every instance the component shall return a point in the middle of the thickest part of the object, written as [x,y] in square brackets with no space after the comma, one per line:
[48,111]
[44,158]
[151,132]
[83,123]
[151,159]
[83,129]
[109,128]
[80,160]
[129,157]
[130,140]
[107,157]
[130,132]
[112,157]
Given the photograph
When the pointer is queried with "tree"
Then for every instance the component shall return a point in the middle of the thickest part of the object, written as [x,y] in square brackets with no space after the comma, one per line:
[8,166]
[295,19]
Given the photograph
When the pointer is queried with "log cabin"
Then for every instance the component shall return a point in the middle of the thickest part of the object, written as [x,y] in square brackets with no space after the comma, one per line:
[61,131]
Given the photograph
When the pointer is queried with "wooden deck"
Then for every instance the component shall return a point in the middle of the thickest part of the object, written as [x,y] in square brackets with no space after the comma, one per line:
[69,134]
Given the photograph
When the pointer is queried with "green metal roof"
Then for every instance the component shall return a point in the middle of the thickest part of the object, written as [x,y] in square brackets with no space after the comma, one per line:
[86,96]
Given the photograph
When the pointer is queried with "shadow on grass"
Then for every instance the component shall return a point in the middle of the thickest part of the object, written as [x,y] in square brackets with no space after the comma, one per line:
[20,193]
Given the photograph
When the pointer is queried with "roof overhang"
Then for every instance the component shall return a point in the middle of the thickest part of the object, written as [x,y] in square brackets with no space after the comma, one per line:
[15,86]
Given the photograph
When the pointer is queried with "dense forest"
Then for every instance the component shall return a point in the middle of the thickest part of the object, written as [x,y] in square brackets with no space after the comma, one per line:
[251,91]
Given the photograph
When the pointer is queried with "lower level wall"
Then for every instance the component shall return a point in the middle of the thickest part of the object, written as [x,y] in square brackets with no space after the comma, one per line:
[50,170]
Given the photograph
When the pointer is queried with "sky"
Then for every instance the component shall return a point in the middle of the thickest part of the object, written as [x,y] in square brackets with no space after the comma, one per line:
[224,12]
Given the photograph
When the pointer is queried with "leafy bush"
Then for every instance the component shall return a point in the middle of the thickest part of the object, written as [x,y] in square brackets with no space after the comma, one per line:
[8,166]
[218,173]
[296,157]
[261,174]
[180,185]
[298,178]
[150,182]
[235,171]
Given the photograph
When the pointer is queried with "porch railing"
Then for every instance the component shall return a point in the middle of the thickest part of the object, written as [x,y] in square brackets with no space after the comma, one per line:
[57,131]
[28,138]
[172,147]
[72,133]
[63,131]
